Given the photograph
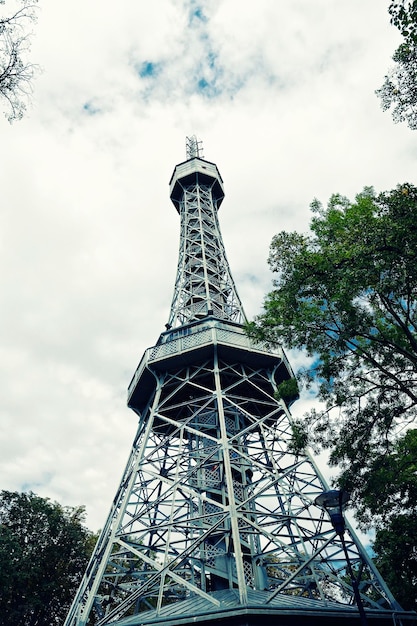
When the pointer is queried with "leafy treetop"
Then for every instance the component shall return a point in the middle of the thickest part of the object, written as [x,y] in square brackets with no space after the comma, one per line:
[44,551]
[346,294]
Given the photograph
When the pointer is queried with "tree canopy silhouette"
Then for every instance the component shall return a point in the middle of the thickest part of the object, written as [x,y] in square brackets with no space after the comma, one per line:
[44,551]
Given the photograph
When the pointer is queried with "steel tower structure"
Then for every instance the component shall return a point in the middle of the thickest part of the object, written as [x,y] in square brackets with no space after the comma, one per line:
[214,520]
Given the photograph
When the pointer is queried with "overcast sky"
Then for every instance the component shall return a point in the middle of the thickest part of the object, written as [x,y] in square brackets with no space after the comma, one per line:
[282,95]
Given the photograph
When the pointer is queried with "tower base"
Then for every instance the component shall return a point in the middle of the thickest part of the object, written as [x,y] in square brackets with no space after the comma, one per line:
[280,611]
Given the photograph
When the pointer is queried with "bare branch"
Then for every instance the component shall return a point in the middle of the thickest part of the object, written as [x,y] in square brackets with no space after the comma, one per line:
[16,72]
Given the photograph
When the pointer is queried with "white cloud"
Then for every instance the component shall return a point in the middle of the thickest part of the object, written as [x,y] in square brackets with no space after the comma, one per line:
[88,237]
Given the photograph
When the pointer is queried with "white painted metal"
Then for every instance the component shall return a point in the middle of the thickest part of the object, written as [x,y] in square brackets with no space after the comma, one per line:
[204,284]
[212,498]
[193,147]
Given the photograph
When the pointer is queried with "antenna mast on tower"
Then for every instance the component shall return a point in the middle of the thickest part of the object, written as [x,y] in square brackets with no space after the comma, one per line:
[193,148]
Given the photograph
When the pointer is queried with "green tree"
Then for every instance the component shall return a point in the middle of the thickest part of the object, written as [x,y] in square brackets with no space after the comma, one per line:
[390,497]
[16,72]
[390,483]
[395,549]
[404,16]
[399,89]
[44,550]
[346,294]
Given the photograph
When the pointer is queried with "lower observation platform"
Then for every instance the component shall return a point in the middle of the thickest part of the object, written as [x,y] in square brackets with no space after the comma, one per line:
[263,609]
[195,342]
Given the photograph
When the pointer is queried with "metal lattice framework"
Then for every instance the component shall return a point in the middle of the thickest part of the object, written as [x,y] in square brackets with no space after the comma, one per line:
[214,514]
[204,283]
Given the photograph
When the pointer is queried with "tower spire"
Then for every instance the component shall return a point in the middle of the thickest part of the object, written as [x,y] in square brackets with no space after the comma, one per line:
[204,284]
[217,520]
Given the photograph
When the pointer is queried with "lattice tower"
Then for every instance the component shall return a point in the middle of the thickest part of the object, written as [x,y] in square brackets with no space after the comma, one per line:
[214,520]
[204,284]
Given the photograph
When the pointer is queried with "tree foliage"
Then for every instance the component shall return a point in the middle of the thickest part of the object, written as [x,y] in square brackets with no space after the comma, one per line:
[44,551]
[390,496]
[390,483]
[16,72]
[404,17]
[346,293]
[395,548]
[399,89]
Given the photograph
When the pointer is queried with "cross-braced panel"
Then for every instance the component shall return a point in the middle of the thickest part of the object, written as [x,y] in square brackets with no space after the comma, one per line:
[204,284]
[212,499]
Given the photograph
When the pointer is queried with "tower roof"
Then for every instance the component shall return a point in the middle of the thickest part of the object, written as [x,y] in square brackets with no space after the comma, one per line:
[196,171]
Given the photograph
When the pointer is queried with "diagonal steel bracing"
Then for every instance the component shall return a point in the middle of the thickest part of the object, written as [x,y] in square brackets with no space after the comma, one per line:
[213,505]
